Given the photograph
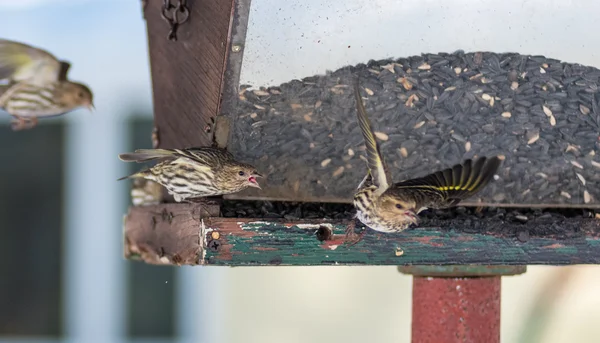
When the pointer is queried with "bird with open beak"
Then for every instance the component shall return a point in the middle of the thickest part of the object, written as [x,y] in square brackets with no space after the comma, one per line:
[194,172]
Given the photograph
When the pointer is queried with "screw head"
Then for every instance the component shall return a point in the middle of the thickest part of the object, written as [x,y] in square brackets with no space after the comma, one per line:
[214,245]
[236,48]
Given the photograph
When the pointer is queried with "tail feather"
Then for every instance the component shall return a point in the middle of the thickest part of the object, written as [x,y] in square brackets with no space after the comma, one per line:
[145,155]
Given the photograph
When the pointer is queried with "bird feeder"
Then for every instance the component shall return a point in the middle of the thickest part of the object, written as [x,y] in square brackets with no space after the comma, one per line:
[273,85]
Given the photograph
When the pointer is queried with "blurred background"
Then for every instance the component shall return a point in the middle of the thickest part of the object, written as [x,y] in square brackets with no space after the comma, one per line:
[62,274]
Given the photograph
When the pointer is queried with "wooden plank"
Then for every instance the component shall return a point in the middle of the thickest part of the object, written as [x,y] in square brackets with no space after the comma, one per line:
[189,238]
[150,235]
[187,73]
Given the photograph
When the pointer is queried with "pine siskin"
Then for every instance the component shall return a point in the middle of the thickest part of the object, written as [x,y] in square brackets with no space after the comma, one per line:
[194,172]
[387,207]
[37,85]
[26,102]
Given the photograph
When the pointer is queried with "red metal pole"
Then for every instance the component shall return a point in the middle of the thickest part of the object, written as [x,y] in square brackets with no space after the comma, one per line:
[457,303]
[456,310]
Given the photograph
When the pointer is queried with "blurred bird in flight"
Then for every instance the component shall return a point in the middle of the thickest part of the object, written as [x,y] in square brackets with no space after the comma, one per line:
[36,85]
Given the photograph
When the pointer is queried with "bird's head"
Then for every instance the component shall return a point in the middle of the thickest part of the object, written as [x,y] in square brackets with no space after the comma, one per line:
[397,210]
[239,176]
[73,95]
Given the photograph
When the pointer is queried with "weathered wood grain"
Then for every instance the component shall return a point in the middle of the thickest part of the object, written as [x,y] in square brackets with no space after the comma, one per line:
[167,233]
[189,238]
[187,73]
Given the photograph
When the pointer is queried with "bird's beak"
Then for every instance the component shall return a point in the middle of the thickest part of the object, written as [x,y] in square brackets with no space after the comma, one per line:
[412,217]
[253,182]
[256,174]
[91,107]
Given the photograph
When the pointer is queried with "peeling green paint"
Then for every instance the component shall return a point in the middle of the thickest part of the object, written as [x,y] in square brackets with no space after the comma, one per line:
[272,243]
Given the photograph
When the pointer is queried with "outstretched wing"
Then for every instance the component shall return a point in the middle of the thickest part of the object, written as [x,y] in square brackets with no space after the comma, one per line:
[22,62]
[375,162]
[449,186]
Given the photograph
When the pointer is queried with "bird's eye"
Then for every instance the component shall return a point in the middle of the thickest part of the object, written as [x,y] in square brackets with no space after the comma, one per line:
[398,206]
[241,173]
[80,94]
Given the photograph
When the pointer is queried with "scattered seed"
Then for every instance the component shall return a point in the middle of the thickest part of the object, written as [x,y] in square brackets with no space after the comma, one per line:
[533,137]
[424,66]
[565,194]
[350,152]
[514,85]
[586,197]
[542,70]
[338,172]
[419,124]
[296,106]
[381,136]
[501,157]
[552,120]
[399,252]
[389,67]
[581,178]
[370,92]
[572,148]
[275,91]
[457,70]
[253,115]
[403,152]
[596,164]
[307,117]
[318,104]
[474,77]
[506,114]
[576,164]
[468,146]
[486,96]
[259,107]
[521,218]
[584,109]
[405,83]
[450,89]
[411,98]
[547,111]
[325,162]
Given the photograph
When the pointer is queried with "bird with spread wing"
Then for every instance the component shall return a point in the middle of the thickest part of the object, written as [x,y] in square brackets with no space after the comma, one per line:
[392,207]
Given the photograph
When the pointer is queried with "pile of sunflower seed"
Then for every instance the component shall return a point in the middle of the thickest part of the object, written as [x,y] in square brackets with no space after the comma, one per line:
[541,115]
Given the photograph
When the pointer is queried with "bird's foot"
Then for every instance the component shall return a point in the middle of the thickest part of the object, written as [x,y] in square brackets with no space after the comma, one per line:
[20,123]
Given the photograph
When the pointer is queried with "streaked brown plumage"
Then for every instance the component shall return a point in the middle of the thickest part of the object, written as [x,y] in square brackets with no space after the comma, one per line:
[388,207]
[26,102]
[194,172]
[37,85]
